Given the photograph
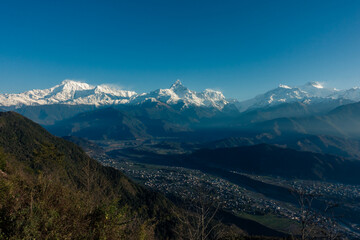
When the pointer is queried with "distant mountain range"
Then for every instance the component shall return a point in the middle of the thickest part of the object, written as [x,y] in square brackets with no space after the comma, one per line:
[71,92]
[285,115]
[79,93]
[310,93]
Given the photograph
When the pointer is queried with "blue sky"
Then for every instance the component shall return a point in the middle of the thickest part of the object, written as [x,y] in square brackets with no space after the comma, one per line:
[240,47]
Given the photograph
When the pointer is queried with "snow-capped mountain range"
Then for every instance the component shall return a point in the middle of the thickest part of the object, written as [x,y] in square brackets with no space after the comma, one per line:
[79,93]
[75,93]
[68,92]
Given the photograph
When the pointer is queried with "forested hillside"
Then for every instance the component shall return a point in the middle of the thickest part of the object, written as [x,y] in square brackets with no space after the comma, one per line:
[49,188]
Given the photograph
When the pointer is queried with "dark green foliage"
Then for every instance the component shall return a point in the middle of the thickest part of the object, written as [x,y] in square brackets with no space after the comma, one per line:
[2,160]
[50,189]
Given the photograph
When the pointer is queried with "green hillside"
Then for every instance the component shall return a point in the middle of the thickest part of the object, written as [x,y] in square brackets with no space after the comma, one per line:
[50,189]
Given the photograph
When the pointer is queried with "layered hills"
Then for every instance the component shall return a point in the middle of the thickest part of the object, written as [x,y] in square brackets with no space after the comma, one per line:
[343,121]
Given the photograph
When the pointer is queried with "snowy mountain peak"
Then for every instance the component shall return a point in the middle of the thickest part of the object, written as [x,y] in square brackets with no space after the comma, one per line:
[74,85]
[176,84]
[178,87]
[315,85]
[284,86]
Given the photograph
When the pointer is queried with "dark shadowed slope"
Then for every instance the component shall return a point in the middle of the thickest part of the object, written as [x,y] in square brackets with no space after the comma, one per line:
[266,159]
[340,146]
[106,123]
[114,124]
[49,114]
[343,121]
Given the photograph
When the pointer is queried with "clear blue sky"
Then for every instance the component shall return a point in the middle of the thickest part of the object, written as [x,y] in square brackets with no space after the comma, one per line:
[240,47]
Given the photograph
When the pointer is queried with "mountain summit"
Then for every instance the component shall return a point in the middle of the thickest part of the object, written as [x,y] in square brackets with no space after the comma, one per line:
[177,84]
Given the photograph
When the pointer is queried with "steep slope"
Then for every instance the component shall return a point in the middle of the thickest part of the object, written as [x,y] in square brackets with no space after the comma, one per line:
[266,159]
[51,189]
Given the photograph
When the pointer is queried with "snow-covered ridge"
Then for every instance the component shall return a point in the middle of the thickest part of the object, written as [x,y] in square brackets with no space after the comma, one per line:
[68,92]
[76,93]
[179,94]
